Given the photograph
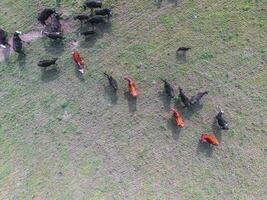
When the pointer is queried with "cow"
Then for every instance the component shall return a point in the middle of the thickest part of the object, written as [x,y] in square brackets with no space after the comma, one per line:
[183,49]
[184,98]
[178,118]
[221,121]
[132,87]
[168,88]
[55,25]
[82,17]
[78,60]
[47,63]
[96,19]
[210,138]
[53,35]
[196,98]
[92,4]
[86,33]
[44,15]
[3,39]
[112,82]
[104,12]
[17,42]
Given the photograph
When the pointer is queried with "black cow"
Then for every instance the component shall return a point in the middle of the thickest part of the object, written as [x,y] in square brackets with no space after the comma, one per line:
[221,121]
[53,35]
[112,82]
[184,98]
[168,88]
[183,49]
[96,20]
[3,38]
[17,42]
[104,12]
[44,15]
[47,63]
[81,17]
[86,33]
[196,98]
[92,4]
[55,25]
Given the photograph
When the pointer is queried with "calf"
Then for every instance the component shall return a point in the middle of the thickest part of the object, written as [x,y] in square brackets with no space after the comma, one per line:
[112,82]
[3,38]
[78,60]
[44,15]
[168,88]
[210,138]
[178,118]
[221,121]
[81,17]
[104,12]
[17,42]
[92,4]
[47,63]
[184,98]
[96,20]
[53,35]
[132,87]
[196,98]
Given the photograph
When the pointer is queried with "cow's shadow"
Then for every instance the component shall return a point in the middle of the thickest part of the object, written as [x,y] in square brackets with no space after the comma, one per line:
[205,148]
[216,129]
[22,59]
[181,57]
[166,100]
[187,112]
[132,101]
[50,74]
[100,30]
[55,47]
[79,75]
[159,2]
[174,128]
[6,52]
[111,94]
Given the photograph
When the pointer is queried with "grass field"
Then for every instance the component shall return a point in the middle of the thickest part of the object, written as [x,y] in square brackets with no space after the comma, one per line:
[63,136]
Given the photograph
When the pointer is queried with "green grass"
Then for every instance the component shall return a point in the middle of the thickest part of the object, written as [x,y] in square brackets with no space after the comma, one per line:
[107,151]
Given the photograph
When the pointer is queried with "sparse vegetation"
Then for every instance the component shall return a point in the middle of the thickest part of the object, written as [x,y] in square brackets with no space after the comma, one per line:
[104,150]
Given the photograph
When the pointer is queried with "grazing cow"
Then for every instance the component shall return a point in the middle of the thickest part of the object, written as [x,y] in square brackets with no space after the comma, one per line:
[112,82]
[178,118]
[81,17]
[96,19]
[78,60]
[104,12]
[86,33]
[210,138]
[44,15]
[183,49]
[196,98]
[53,35]
[92,4]
[47,63]
[132,87]
[184,98]
[17,42]
[221,121]
[55,25]
[168,88]
[3,38]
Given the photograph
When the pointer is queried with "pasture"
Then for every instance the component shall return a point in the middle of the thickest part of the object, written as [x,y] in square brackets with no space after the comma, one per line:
[66,136]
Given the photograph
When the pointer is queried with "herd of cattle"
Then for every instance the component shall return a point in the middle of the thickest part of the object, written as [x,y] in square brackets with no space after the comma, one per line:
[52,29]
